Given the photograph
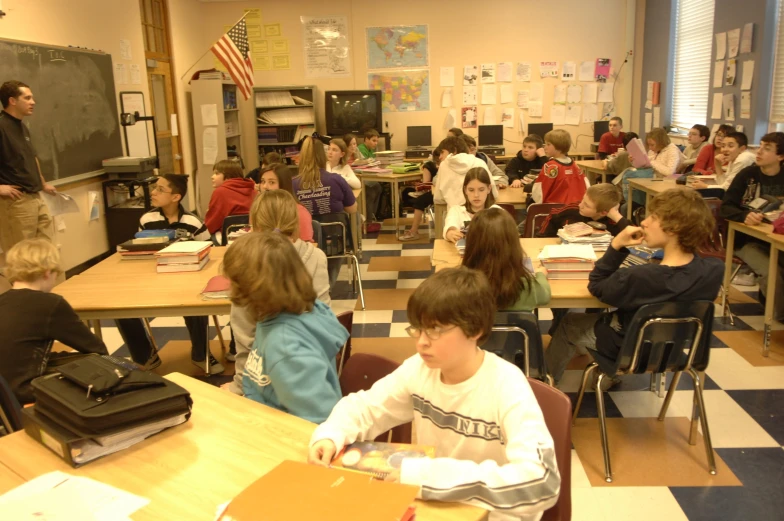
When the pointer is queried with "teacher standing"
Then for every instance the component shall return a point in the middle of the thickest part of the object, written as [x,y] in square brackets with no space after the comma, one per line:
[23,213]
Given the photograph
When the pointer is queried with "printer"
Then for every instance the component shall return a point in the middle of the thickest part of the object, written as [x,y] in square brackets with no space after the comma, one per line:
[130,167]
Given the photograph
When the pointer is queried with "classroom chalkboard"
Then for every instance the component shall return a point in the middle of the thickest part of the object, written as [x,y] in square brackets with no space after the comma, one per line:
[75,124]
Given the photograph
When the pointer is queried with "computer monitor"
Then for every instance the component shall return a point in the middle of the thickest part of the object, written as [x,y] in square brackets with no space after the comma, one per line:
[419,136]
[599,129]
[491,135]
[540,129]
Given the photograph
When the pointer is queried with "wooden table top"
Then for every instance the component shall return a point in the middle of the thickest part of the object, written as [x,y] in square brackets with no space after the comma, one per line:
[511,195]
[115,288]
[188,470]
[8,479]
[595,165]
[653,186]
[564,293]
[763,231]
[408,176]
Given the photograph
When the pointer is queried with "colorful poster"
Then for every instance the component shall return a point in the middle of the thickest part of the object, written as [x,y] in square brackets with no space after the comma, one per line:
[602,71]
[548,69]
[326,46]
[397,46]
[469,118]
[402,91]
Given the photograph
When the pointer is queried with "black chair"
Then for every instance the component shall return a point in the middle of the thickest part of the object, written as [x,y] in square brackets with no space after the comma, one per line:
[10,410]
[516,339]
[670,336]
[332,233]
[232,221]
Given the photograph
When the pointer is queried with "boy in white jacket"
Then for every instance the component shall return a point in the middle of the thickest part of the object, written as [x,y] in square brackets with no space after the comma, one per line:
[736,158]
[493,448]
[451,172]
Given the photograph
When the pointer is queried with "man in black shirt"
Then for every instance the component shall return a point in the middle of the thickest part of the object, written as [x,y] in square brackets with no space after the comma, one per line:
[23,213]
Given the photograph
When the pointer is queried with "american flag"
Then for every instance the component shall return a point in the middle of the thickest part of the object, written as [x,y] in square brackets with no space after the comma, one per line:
[233,52]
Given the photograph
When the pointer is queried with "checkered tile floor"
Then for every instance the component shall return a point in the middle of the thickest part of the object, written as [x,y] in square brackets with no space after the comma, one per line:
[658,475]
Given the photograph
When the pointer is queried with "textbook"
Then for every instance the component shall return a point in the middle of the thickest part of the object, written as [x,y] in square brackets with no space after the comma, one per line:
[330,495]
[379,458]
[178,268]
[218,287]
[560,251]
[185,248]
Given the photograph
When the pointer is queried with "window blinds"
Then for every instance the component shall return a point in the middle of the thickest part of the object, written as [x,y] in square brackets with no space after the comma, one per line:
[777,98]
[693,46]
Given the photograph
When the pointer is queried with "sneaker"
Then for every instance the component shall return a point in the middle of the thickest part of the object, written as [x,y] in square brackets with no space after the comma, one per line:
[231,357]
[153,363]
[745,279]
[408,236]
[215,366]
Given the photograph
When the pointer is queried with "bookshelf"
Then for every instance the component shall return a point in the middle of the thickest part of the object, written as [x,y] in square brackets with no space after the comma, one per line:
[283,116]
[218,98]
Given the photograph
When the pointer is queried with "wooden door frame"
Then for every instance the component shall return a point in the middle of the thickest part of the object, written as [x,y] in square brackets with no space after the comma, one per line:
[169,92]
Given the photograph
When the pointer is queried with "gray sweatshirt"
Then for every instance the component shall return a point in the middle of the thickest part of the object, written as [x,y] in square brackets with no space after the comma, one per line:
[243,323]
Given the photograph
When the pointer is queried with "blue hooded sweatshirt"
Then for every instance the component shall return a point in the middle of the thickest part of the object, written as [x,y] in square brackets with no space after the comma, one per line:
[291,366]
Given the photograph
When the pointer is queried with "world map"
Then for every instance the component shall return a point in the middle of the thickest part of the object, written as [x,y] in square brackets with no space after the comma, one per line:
[398,46]
[402,91]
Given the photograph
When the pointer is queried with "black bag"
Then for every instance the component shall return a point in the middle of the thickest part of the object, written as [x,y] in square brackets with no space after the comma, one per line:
[96,396]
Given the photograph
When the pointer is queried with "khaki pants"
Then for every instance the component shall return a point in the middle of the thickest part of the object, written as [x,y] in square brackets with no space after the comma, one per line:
[24,218]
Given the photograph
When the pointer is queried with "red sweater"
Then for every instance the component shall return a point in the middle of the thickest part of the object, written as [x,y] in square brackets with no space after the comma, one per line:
[705,160]
[608,144]
[561,183]
[233,197]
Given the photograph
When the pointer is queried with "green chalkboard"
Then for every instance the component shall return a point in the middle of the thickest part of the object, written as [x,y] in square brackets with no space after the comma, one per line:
[75,124]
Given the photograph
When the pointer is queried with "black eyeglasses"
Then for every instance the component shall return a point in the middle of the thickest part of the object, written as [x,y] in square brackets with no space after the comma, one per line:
[433,333]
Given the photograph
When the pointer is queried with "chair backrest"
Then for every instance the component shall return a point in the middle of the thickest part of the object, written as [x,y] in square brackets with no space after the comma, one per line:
[360,372]
[557,411]
[516,338]
[10,410]
[717,193]
[231,220]
[335,233]
[346,319]
[719,234]
[536,215]
[668,336]
[509,208]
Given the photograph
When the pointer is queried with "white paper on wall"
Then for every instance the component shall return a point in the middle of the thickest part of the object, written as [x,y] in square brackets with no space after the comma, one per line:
[657,117]
[535,109]
[573,114]
[574,93]
[590,90]
[504,72]
[488,94]
[716,106]
[559,95]
[590,112]
[728,109]
[548,69]
[732,70]
[488,73]
[507,118]
[558,114]
[470,75]
[469,95]
[446,98]
[606,92]
[537,92]
[569,72]
[209,114]
[489,116]
[450,121]
[745,39]
[506,94]
[586,71]
[721,46]
[748,75]
[733,42]
[447,76]
[745,105]
[522,122]
[648,122]
[718,74]
[523,71]
[523,97]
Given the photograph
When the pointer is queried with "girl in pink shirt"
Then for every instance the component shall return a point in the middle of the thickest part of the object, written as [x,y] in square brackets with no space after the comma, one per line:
[278,177]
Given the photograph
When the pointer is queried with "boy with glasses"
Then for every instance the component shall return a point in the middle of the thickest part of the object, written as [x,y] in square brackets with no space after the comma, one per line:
[493,449]
[697,139]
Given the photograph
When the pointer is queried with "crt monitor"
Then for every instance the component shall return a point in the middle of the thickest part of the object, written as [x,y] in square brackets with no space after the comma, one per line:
[599,129]
[419,136]
[540,129]
[491,135]
[352,111]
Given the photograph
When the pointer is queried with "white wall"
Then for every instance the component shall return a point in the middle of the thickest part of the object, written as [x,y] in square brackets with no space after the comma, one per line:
[95,24]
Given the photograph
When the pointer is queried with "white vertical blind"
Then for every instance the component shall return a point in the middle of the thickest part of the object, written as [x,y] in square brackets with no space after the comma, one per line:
[693,45]
[777,98]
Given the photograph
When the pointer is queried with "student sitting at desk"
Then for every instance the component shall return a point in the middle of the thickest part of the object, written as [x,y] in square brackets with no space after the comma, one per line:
[561,180]
[493,247]
[232,195]
[421,203]
[276,211]
[498,176]
[765,179]
[493,449]
[352,150]
[279,177]
[336,163]
[291,365]
[169,214]
[477,187]
[318,190]
[32,318]
[270,158]
[678,221]
[531,157]
[600,203]
[663,154]
[736,158]
[611,141]
[709,160]
[697,140]
[452,170]
[616,164]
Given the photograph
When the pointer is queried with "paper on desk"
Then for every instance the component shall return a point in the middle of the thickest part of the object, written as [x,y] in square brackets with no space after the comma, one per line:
[733,42]
[447,76]
[586,71]
[561,251]
[506,94]
[209,114]
[60,203]
[718,74]
[558,114]
[209,143]
[721,45]
[748,75]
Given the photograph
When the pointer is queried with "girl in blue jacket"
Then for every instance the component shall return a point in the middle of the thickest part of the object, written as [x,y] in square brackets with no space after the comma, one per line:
[291,365]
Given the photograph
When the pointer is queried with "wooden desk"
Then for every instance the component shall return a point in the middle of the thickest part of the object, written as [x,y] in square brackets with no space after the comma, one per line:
[187,471]
[394,180]
[496,159]
[563,293]
[651,187]
[594,168]
[133,289]
[9,479]
[509,195]
[584,156]
[763,232]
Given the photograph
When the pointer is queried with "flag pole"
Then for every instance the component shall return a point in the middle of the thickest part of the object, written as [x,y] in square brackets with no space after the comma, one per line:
[210,48]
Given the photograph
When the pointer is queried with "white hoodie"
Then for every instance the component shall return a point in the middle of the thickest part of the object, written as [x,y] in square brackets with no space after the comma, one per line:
[451,173]
[744,159]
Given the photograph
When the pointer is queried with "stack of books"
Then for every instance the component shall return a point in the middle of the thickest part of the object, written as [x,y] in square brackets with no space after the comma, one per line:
[142,249]
[369,162]
[218,287]
[568,261]
[268,134]
[388,157]
[581,233]
[183,256]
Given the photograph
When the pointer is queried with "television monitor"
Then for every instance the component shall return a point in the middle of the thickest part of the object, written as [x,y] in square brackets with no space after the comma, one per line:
[353,111]
[540,129]
[599,129]
[419,136]
[491,135]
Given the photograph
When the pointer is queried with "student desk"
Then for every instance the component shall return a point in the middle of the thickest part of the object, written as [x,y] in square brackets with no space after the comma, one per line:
[499,160]
[514,196]
[594,168]
[188,470]
[585,156]
[394,180]
[763,232]
[651,187]
[8,479]
[564,293]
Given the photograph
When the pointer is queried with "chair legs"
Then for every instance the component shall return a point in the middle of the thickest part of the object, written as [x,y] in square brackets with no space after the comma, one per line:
[603,428]
[670,392]
[220,333]
[725,298]
[699,406]
[590,368]
[358,280]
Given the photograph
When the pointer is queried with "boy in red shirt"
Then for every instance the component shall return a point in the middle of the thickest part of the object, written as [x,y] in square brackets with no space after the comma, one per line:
[611,141]
[561,180]
[233,194]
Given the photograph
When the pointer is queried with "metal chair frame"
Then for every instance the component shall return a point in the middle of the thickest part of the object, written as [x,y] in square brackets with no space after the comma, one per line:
[356,277]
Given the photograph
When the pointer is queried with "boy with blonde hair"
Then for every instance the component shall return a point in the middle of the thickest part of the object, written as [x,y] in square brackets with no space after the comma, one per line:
[560,181]
[600,203]
[493,449]
[32,318]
